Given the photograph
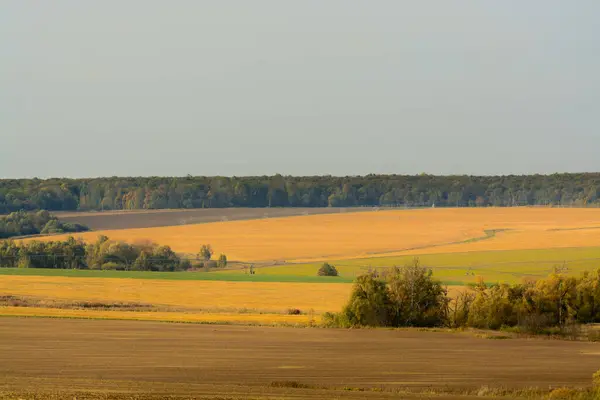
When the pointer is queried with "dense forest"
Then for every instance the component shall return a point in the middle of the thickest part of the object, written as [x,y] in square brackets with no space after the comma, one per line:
[22,223]
[103,254]
[287,191]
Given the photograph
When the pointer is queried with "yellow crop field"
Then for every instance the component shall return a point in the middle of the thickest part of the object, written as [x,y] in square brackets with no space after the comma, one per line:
[236,318]
[186,296]
[178,301]
[369,234]
[526,238]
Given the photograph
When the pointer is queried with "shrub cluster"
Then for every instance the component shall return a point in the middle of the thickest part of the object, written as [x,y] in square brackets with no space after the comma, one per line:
[410,296]
[406,296]
[327,270]
[534,306]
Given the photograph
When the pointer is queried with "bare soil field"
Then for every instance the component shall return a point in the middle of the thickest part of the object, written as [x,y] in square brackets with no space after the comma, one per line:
[123,358]
[157,218]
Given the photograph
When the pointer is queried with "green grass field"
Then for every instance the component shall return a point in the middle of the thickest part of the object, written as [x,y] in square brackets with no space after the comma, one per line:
[235,276]
[509,266]
[451,268]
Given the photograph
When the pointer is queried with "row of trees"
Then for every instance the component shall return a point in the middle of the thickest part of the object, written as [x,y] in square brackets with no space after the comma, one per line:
[103,254]
[288,191]
[23,223]
[410,296]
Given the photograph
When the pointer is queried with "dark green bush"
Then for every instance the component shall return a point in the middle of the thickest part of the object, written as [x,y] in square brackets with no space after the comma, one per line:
[327,270]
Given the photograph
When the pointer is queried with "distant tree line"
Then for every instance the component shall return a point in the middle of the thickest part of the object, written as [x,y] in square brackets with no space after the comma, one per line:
[288,191]
[103,254]
[410,296]
[22,223]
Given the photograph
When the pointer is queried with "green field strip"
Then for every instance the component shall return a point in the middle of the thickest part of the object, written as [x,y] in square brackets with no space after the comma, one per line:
[183,276]
[508,266]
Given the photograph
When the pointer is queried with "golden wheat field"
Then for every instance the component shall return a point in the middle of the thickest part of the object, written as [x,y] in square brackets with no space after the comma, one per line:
[368,234]
[173,301]
[192,296]
[176,301]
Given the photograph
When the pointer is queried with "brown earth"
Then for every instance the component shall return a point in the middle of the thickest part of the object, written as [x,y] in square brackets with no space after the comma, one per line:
[156,218]
[120,359]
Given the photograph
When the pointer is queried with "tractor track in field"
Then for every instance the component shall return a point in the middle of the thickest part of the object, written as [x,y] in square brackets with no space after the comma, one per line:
[489,234]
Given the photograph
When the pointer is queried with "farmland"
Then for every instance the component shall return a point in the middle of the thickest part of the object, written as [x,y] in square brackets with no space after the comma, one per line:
[508,266]
[451,268]
[156,218]
[346,235]
[184,295]
[264,303]
[109,358]
[461,245]
[232,315]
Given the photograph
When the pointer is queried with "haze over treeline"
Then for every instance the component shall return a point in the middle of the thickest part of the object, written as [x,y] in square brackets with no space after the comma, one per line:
[131,193]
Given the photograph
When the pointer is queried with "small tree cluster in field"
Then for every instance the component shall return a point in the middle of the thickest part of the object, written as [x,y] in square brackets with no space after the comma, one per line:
[103,254]
[142,256]
[204,256]
[327,270]
[407,296]
[410,296]
[23,223]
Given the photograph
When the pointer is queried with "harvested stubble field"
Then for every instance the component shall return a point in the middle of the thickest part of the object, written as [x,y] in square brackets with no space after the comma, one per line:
[74,357]
[383,233]
[123,359]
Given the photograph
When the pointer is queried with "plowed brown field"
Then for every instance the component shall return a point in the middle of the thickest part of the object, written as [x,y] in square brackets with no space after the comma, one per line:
[239,362]
[154,218]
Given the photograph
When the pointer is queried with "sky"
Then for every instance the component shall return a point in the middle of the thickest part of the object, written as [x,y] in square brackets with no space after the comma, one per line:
[311,87]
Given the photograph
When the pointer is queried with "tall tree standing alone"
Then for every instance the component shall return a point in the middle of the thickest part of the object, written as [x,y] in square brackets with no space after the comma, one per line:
[206,252]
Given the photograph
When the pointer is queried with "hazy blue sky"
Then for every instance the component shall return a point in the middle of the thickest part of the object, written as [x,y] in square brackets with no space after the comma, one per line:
[117,87]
